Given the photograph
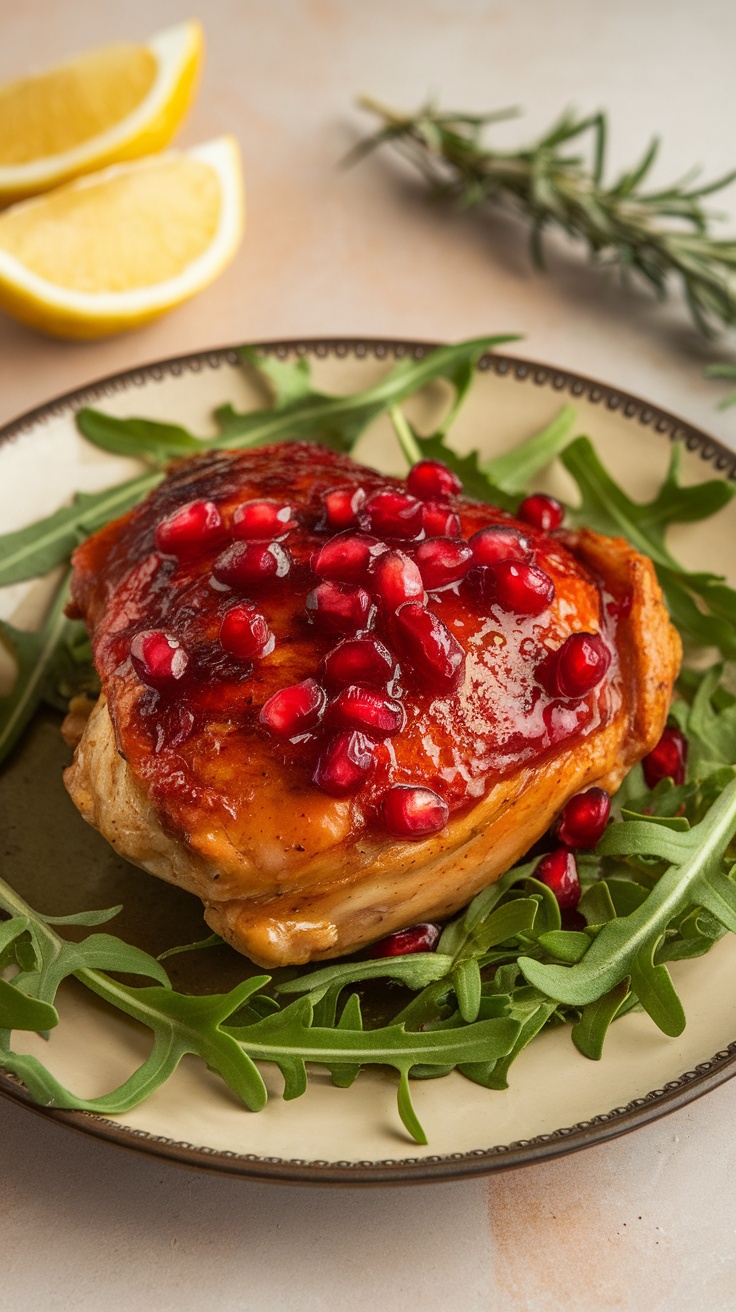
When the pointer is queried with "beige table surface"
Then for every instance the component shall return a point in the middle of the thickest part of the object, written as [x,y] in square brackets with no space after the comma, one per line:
[646,1222]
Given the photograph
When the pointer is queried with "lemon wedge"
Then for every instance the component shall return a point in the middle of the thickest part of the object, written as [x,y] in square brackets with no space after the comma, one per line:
[107,105]
[118,248]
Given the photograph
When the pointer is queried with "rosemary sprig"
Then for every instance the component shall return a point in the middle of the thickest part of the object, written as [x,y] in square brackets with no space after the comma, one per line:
[656,234]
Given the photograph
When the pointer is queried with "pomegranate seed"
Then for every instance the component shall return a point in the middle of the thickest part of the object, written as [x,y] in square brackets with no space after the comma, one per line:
[158,658]
[342,507]
[480,583]
[367,710]
[414,812]
[667,760]
[523,589]
[394,514]
[340,608]
[244,633]
[432,478]
[429,647]
[542,512]
[584,818]
[267,520]
[419,938]
[252,564]
[581,663]
[439,522]
[396,579]
[294,710]
[442,561]
[495,543]
[347,557]
[559,871]
[190,529]
[359,660]
[344,764]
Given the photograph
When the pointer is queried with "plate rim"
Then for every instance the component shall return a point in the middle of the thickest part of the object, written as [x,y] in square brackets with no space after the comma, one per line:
[601,1128]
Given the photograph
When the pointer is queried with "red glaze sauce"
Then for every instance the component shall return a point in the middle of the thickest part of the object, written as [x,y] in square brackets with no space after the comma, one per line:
[201,744]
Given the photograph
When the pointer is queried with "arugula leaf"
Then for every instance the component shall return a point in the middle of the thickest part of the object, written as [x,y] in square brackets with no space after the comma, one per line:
[415,970]
[339,421]
[711,732]
[624,946]
[656,992]
[469,928]
[290,1037]
[72,672]
[48,542]
[183,1024]
[290,1031]
[85,917]
[606,507]
[19,1012]
[351,1019]
[288,380]
[514,471]
[55,958]
[467,984]
[180,1025]
[596,904]
[568,945]
[36,654]
[211,941]
[494,1075]
[589,1033]
[143,439]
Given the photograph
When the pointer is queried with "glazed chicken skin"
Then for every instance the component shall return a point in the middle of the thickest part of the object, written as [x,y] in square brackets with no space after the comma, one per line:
[333,707]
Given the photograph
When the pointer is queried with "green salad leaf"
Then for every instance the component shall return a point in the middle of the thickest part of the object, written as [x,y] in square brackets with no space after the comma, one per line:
[36,654]
[515,471]
[702,605]
[304,413]
[625,946]
[142,439]
[49,542]
[183,1024]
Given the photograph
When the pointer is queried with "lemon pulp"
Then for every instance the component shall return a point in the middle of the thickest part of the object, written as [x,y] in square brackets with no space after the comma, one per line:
[58,110]
[103,107]
[131,230]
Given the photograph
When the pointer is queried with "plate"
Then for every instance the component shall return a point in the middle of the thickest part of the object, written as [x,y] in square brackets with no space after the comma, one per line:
[558,1101]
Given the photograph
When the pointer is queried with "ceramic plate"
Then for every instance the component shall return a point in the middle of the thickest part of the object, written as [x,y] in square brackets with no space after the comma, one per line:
[558,1101]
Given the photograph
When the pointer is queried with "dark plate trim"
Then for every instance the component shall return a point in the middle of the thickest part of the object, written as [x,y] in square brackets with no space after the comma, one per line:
[408,1170]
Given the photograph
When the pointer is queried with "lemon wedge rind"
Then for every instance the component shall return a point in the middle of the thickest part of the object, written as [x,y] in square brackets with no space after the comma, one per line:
[70,312]
[148,128]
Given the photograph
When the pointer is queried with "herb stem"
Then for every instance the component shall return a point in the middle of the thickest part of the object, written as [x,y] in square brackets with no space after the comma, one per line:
[407,440]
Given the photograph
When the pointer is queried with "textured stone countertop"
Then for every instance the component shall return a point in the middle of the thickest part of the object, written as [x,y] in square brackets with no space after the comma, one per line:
[647,1221]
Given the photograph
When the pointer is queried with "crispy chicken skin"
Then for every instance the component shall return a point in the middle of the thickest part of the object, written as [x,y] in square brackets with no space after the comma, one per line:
[191,787]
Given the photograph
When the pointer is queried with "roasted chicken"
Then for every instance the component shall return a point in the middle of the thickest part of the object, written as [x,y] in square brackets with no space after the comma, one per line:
[334,704]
